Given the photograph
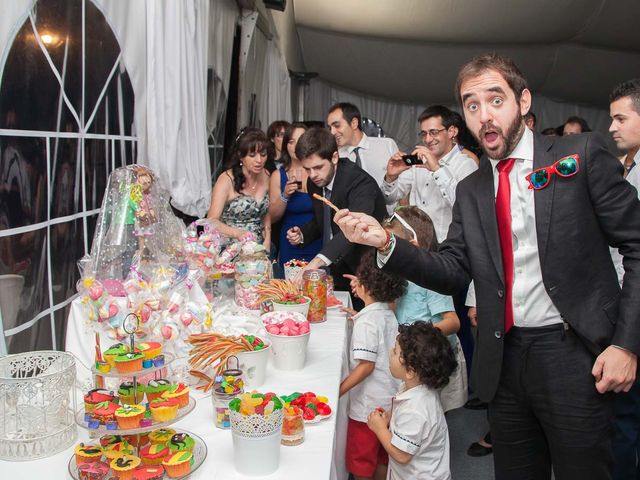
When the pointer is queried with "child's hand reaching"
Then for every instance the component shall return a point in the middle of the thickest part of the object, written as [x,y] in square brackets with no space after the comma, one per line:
[378,420]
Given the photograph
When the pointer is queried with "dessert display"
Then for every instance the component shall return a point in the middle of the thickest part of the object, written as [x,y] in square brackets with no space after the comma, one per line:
[256,403]
[252,268]
[314,286]
[129,362]
[174,455]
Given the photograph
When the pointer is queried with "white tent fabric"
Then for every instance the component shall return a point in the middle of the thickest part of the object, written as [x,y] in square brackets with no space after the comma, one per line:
[399,120]
[275,101]
[223,16]
[176,89]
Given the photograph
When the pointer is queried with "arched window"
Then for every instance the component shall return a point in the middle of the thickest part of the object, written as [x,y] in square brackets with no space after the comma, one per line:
[66,118]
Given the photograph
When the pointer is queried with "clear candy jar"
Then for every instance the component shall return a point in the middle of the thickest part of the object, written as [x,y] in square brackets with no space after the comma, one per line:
[292,428]
[314,286]
[221,408]
[250,271]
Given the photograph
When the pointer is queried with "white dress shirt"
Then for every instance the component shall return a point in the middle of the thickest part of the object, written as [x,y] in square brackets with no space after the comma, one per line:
[374,333]
[374,152]
[418,427]
[532,306]
[432,192]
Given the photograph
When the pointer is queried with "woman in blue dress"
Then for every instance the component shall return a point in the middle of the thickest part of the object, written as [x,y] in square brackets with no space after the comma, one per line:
[240,197]
[289,199]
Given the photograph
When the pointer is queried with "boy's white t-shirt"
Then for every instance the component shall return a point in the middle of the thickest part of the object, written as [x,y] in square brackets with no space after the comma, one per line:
[418,427]
[374,334]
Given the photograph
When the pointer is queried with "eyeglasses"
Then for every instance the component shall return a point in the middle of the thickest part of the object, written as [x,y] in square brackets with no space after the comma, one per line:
[565,167]
[404,223]
[433,133]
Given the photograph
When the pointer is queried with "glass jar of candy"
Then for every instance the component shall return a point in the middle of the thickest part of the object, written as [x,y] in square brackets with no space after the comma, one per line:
[221,408]
[250,271]
[314,286]
[292,429]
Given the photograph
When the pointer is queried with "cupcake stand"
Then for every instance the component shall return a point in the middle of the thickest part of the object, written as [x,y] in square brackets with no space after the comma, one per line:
[199,449]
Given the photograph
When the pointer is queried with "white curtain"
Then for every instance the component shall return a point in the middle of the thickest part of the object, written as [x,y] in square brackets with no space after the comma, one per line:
[275,98]
[176,92]
[399,120]
[223,16]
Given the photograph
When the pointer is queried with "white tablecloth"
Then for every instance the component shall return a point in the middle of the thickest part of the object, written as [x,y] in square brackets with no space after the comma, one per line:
[321,456]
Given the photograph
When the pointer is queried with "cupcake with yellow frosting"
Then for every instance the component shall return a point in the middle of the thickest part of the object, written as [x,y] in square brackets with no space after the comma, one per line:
[88,453]
[129,416]
[180,392]
[178,464]
[118,449]
[124,466]
[150,349]
[161,435]
[164,410]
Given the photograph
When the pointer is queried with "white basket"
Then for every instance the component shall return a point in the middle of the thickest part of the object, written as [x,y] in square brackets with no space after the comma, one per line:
[302,308]
[289,353]
[256,442]
[254,366]
[37,404]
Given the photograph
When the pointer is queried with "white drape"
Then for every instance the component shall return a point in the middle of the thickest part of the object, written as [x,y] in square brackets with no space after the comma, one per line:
[399,121]
[176,88]
[223,15]
[275,98]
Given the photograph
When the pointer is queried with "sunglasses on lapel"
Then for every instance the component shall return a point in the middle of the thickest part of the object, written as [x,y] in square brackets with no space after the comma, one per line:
[565,167]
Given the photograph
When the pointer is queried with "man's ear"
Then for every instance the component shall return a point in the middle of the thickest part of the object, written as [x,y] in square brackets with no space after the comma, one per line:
[354,123]
[335,157]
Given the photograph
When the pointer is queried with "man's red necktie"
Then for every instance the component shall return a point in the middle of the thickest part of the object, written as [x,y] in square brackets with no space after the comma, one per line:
[503,215]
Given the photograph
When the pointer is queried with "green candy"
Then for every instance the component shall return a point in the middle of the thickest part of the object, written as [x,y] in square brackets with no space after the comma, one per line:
[235,404]
[277,404]
[312,407]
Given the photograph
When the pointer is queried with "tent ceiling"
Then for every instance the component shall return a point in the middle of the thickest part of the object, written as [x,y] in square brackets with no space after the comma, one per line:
[410,50]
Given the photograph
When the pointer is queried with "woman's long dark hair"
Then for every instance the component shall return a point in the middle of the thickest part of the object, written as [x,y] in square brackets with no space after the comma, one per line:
[285,158]
[249,140]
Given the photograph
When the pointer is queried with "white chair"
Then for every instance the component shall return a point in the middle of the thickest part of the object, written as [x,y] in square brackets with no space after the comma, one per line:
[10,293]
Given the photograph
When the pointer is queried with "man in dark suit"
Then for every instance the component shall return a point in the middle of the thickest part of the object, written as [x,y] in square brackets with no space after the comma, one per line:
[347,186]
[532,228]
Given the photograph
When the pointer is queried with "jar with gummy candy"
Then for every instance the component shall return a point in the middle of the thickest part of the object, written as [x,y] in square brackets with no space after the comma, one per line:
[314,286]
[292,427]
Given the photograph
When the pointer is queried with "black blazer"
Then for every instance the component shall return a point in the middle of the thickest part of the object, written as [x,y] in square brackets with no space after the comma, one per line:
[355,189]
[577,218]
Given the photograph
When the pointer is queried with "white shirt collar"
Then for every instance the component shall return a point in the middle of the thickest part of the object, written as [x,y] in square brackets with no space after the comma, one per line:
[371,308]
[363,144]
[417,391]
[449,156]
[523,150]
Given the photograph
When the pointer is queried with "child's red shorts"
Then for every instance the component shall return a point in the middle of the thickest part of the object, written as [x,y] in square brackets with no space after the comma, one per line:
[364,451]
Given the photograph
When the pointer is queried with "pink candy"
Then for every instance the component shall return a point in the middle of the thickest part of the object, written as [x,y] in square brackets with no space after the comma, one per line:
[288,328]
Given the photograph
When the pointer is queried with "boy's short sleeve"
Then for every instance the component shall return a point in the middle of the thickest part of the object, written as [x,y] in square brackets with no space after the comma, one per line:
[439,303]
[407,432]
[365,340]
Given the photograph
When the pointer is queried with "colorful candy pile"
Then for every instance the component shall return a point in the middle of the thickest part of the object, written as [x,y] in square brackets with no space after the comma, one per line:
[292,299]
[312,406]
[278,291]
[294,262]
[228,384]
[256,403]
[288,324]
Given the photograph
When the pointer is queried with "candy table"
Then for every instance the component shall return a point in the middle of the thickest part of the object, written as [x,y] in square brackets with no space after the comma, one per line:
[321,456]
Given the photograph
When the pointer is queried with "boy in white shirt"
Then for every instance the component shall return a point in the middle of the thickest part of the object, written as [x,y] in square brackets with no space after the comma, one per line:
[415,435]
[370,382]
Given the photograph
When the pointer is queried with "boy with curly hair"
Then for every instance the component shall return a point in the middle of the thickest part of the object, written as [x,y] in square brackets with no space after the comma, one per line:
[415,434]
[370,382]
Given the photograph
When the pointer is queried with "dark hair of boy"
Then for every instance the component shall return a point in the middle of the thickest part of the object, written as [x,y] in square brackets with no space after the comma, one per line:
[381,285]
[426,351]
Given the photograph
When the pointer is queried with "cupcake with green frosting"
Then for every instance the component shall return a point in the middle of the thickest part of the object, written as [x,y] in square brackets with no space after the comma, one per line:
[181,442]
[155,388]
[112,352]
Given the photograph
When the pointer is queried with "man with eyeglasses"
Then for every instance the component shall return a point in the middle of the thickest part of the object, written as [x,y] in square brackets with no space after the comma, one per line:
[532,228]
[430,185]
